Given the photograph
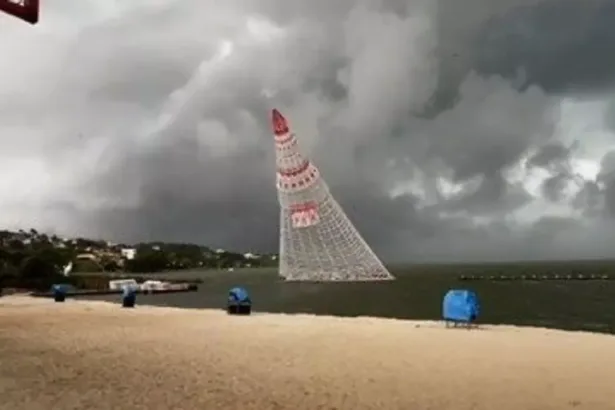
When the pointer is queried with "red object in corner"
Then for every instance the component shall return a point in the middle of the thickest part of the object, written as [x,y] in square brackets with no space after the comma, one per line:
[278,123]
[26,10]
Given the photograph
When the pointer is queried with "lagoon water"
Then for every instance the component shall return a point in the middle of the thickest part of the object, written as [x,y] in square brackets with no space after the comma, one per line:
[416,294]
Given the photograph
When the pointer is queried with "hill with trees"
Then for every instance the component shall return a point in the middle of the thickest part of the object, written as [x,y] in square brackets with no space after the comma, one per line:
[33,260]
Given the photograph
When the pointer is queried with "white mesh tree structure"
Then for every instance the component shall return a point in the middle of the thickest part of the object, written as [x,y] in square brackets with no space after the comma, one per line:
[317,240]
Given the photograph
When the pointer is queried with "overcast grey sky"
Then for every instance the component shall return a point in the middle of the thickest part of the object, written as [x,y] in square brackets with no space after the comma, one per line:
[449,130]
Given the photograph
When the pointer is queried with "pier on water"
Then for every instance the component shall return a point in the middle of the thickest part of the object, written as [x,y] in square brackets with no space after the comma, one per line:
[538,278]
[171,288]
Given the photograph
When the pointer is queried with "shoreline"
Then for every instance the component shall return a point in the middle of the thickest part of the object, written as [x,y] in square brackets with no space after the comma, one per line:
[360,318]
[602,330]
[26,300]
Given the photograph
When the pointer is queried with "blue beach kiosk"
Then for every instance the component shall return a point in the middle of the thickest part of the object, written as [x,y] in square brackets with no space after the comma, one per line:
[239,302]
[460,306]
[129,297]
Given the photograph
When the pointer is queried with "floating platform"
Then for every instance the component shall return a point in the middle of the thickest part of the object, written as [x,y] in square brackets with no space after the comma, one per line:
[175,288]
[536,278]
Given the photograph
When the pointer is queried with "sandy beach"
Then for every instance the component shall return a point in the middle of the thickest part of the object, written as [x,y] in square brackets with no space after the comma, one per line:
[96,355]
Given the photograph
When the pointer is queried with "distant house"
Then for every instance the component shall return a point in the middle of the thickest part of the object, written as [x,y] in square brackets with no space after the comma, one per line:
[251,256]
[128,253]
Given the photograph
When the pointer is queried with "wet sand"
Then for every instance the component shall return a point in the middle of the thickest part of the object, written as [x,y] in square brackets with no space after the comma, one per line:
[96,355]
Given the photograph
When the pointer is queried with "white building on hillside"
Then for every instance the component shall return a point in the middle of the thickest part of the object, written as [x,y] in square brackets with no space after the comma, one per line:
[129,253]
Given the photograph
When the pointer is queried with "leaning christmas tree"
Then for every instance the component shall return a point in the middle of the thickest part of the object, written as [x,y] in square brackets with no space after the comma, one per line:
[317,240]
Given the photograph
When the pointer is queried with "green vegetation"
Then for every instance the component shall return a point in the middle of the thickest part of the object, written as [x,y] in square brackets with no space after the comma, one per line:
[30,264]
[33,260]
[159,257]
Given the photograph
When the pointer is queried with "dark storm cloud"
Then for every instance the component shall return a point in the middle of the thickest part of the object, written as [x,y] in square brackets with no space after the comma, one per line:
[598,196]
[553,187]
[490,127]
[561,45]
[607,166]
[607,179]
[355,61]
[555,157]
[494,195]
[589,198]
[550,155]
[384,95]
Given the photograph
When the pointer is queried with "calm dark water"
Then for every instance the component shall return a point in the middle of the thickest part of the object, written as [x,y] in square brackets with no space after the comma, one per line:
[573,305]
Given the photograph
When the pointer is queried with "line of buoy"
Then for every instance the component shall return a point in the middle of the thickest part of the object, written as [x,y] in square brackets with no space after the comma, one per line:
[535,278]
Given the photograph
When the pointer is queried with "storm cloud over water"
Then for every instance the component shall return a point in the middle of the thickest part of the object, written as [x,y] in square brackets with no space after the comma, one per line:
[448,131]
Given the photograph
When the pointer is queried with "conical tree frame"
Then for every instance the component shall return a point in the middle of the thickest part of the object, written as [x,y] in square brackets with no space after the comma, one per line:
[318,242]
